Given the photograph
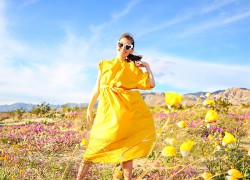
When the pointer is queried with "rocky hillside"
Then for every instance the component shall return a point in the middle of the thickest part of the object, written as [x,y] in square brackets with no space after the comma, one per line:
[236,96]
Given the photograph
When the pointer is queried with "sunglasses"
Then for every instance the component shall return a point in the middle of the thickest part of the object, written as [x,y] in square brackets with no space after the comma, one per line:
[127,46]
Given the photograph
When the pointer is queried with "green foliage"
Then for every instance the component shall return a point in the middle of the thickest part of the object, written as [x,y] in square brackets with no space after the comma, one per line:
[5,177]
[16,114]
[41,109]
[245,105]
[66,108]
[28,122]
[19,113]
[221,105]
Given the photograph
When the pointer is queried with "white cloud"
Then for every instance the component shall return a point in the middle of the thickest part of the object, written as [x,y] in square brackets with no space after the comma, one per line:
[196,75]
[58,78]
[55,73]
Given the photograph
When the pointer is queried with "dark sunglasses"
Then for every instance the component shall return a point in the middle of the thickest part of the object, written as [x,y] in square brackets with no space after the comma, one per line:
[127,46]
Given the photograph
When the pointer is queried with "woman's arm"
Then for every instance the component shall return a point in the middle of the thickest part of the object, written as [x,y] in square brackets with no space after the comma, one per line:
[94,97]
[151,76]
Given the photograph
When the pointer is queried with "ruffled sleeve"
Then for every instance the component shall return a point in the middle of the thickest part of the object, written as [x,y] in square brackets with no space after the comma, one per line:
[143,81]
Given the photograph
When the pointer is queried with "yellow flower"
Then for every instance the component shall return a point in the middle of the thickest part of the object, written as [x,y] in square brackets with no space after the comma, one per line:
[211,116]
[21,171]
[228,139]
[171,141]
[172,99]
[230,178]
[181,124]
[235,173]
[117,174]
[244,121]
[206,175]
[208,101]
[186,147]
[169,151]
[84,142]
[211,137]
[159,131]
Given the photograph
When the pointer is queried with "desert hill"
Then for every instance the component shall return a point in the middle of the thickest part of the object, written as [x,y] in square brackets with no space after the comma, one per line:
[236,96]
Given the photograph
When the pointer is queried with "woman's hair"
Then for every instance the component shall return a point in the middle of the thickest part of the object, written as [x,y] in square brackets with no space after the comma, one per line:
[131,57]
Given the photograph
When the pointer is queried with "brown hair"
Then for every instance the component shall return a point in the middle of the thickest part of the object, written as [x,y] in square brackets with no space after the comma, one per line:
[131,57]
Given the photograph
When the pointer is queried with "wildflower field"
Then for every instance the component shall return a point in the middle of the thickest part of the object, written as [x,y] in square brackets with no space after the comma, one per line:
[208,140]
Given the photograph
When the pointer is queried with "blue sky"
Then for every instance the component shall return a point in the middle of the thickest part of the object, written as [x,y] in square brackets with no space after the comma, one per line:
[49,50]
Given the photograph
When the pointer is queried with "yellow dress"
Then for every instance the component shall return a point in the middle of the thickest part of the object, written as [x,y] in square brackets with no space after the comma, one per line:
[123,128]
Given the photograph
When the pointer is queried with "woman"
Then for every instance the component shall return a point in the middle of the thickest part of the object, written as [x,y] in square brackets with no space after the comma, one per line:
[123,128]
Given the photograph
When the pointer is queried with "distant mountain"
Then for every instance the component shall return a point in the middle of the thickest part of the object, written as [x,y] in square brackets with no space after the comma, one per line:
[29,107]
[7,108]
[236,96]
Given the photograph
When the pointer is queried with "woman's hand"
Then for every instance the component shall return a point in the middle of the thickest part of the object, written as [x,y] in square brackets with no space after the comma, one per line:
[90,118]
[141,64]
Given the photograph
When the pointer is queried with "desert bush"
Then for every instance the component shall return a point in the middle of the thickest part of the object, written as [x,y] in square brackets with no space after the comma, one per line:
[41,109]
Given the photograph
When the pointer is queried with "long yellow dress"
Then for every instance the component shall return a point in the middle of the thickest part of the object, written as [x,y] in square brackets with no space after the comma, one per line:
[123,128]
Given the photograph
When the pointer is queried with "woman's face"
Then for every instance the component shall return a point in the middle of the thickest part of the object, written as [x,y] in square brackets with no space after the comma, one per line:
[124,48]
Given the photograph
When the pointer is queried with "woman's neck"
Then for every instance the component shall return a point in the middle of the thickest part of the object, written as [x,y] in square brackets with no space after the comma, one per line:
[121,58]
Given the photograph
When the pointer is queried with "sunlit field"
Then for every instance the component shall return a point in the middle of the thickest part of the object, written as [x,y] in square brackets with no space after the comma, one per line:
[208,140]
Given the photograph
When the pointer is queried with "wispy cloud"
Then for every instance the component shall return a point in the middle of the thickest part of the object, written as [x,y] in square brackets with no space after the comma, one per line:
[186,16]
[165,24]
[114,17]
[215,5]
[237,17]
[118,15]
[28,3]
[213,23]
